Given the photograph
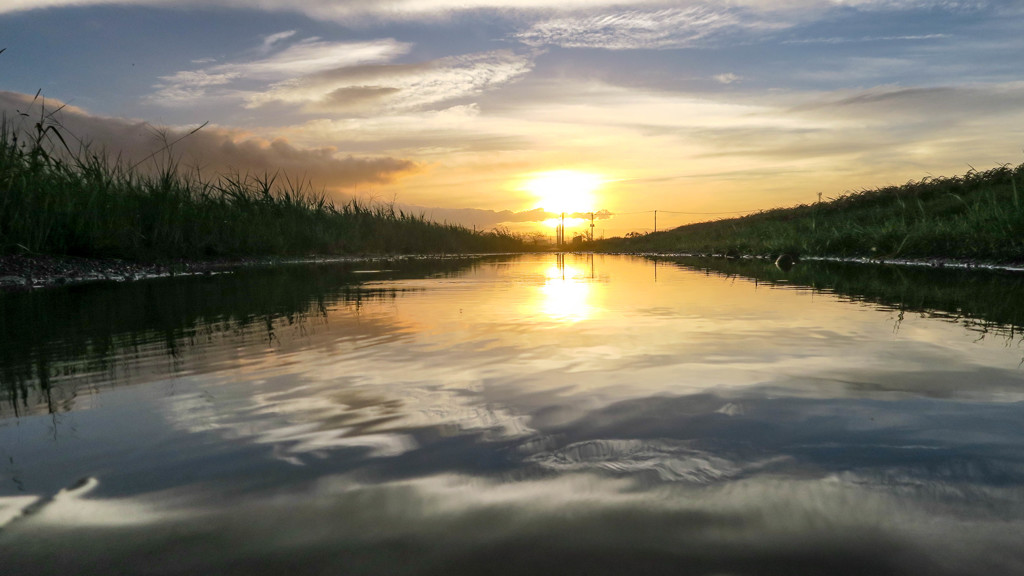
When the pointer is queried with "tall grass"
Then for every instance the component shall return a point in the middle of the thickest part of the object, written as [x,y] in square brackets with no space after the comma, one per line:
[976,216]
[58,200]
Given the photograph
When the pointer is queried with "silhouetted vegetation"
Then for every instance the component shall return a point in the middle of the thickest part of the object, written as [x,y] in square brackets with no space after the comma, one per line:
[57,200]
[977,216]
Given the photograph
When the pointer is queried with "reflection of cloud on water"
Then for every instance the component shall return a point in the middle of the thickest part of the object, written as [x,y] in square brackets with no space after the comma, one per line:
[670,461]
[12,507]
[571,524]
[305,438]
[71,506]
[389,402]
[691,438]
[321,410]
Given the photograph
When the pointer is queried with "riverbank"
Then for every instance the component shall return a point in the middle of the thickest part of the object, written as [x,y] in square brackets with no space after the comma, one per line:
[54,200]
[788,261]
[26,272]
[976,217]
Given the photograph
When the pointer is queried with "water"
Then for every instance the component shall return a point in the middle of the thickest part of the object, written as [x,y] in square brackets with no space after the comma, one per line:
[524,415]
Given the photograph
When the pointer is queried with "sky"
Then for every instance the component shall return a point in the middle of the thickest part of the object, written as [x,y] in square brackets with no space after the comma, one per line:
[496,113]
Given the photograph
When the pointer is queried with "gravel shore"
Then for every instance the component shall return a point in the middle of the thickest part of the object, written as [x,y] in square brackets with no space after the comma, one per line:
[24,272]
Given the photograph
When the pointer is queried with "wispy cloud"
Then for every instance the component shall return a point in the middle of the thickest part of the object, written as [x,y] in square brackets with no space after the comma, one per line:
[947,5]
[885,130]
[399,87]
[317,75]
[338,10]
[640,29]
[864,39]
[967,103]
[269,41]
[348,11]
[314,55]
[188,87]
[309,56]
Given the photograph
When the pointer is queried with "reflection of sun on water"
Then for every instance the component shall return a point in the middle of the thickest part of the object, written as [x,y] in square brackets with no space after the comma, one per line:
[566,292]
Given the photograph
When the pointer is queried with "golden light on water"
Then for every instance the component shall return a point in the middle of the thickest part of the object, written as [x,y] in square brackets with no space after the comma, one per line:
[566,191]
[566,294]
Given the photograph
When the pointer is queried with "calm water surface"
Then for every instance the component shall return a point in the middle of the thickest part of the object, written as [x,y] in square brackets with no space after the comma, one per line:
[527,415]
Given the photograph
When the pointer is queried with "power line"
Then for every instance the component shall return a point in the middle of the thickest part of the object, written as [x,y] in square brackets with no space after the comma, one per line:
[655,212]
[708,213]
[679,212]
[628,213]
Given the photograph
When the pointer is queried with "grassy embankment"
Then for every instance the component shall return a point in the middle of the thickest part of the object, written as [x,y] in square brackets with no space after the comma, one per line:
[54,201]
[977,216]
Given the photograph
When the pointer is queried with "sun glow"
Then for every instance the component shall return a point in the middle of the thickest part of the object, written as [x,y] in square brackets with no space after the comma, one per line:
[566,294]
[565,191]
[569,222]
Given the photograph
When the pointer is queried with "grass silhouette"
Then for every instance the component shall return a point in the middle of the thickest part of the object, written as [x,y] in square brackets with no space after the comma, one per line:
[55,199]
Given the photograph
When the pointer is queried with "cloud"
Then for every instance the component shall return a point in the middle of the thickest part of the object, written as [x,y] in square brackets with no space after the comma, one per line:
[313,55]
[213,149]
[639,29]
[334,10]
[867,39]
[315,75]
[482,219]
[269,41]
[599,215]
[353,11]
[309,56]
[185,88]
[886,133]
[667,25]
[485,219]
[890,5]
[727,78]
[398,87]
[962,103]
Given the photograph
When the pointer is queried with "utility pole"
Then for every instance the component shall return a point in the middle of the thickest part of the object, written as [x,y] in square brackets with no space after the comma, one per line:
[655,220]
[561,231]
[591,226]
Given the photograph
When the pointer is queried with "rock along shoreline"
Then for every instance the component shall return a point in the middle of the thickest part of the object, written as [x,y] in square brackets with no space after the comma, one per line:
[22,272]
[27,272]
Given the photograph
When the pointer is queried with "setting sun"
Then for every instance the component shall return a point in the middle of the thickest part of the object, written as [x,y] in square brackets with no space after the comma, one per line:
[564,190]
